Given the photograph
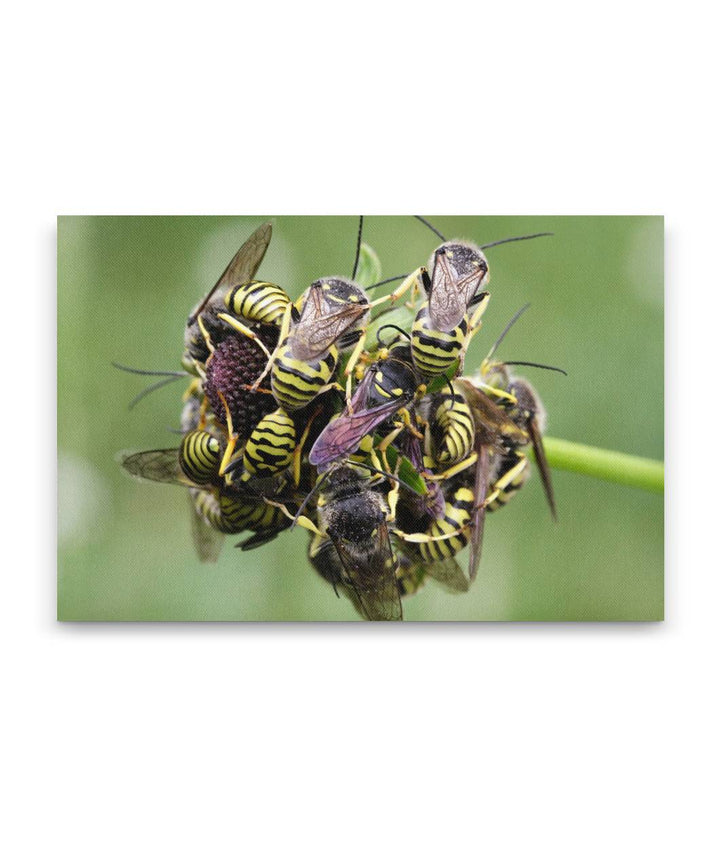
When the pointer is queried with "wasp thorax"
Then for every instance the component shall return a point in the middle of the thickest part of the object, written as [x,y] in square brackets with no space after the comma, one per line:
[354,518]
[529,406]
[235,365]
[341,291]
[465,258]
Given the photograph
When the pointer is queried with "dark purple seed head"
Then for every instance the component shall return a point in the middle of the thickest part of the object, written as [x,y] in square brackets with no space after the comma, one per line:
[235,365]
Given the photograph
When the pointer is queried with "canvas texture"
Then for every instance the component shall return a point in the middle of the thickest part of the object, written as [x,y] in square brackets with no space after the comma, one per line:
[371,478]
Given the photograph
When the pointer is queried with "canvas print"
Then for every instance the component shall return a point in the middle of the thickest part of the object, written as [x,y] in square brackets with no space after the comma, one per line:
[423,418]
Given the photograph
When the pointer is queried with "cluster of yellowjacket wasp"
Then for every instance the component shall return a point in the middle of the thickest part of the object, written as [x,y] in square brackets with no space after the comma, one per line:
[352,418]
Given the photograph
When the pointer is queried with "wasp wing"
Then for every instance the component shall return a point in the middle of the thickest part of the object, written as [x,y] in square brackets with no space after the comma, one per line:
[343,435]
[480,490]
[242,268]
[207,540]
[446,305]
[371,578]
[468,286]
[539,449]
[493,426]
[449,574]
[155,465]
[312,338]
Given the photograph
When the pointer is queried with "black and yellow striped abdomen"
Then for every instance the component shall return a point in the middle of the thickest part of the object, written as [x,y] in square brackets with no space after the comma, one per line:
[512,474]
[454,427]
[458,513]
[256,516]
[200,454]
[231,514]
[294,382]
[410,578]
[263,302]
[270,446]
[434,351]
[207,505]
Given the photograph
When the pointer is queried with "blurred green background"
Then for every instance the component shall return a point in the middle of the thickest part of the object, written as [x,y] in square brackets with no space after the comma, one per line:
[125,287]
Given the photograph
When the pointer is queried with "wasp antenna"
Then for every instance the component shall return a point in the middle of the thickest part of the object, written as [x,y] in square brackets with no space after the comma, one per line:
[386,281]
[518,238]
[357,248]
[505,331]
[153,386]
[430,226]
[148,371]
[391,327]
[534,365]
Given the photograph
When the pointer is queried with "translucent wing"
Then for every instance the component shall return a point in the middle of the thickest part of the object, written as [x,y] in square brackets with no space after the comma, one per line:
[449,574]
[155,465]
[242,268]
[207,540]
[445,303]
[454,284]
[312,338]
[162,465]
[343,435]
[539,449]
[371,577]
[468,286]
[493,426]
[479,495]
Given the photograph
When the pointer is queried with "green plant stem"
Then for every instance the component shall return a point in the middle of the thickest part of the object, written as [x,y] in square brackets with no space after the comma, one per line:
[605,464]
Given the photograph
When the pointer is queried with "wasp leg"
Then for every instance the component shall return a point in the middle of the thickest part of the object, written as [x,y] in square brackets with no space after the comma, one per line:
[193,388]
[382,446]
[470,461]
[474,324]
[412,280]
[249,387]
[378,454]
[481,301]
[284,331]
[357,351]
[202,416]
[392,501]
[246,331]
[232,437]
[199,370]
[297,454]
[514,477]
[352,362]
[423,538]
[404,414]
[348,394]
[328,386]
[206,336]
[301,520]
[496,393]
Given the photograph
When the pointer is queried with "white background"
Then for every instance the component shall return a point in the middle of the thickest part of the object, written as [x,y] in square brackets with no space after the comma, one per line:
[357,739]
